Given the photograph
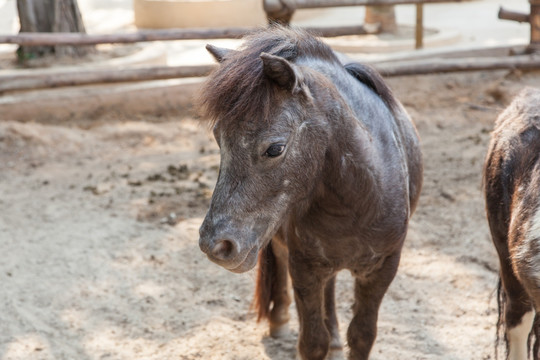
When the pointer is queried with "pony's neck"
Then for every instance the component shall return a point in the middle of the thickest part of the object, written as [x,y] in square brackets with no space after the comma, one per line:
[350,159]
[351,182]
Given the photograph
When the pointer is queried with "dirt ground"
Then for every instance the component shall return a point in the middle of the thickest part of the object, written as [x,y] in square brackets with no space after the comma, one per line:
[99,240]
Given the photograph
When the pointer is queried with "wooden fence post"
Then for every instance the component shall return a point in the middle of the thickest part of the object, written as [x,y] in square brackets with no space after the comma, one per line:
[419,29]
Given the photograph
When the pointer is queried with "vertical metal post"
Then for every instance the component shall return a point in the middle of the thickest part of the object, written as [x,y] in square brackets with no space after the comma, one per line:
[419,29]
[534,20]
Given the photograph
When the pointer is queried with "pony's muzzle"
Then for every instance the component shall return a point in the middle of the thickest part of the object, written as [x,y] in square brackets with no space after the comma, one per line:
[234,248]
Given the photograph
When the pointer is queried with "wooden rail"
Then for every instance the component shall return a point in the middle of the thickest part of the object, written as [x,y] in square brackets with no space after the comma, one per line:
[53,79]
[436,66]
[39,39]
[505,14]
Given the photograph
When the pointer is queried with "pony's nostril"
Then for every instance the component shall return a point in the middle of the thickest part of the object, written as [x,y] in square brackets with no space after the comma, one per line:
[223,249]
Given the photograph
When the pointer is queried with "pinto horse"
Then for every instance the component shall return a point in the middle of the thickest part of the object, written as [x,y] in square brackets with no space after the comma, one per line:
[320,171]
[512,192]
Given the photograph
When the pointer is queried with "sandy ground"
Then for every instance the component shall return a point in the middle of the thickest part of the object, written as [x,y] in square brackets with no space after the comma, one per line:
[99,242]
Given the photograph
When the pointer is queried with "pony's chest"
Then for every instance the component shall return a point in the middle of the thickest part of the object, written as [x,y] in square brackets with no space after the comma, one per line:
[353,253]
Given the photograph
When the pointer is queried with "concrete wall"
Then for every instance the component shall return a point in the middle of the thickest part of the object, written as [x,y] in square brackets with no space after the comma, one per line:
[154,14]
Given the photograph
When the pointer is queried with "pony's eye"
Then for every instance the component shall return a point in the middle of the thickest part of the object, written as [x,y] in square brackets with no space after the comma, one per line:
[274,150]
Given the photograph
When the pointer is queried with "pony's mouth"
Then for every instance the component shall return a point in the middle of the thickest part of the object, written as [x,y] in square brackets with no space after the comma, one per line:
[245,261]
[248,263]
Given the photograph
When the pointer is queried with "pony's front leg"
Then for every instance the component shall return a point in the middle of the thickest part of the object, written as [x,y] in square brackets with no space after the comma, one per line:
[331,322]
[309,284]
[281,298]
[368,293]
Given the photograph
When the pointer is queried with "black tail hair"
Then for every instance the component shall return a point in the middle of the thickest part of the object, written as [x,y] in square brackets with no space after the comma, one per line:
[535,335]
[266,278]
[500,332]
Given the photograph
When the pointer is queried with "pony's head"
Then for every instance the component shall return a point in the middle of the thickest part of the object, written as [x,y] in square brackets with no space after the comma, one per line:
[272,138]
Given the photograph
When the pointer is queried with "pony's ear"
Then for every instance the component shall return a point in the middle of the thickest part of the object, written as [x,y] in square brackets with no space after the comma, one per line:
[219,53]
[281,72]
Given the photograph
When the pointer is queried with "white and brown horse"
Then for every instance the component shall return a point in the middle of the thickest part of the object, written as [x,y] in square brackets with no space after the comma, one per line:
[512,191]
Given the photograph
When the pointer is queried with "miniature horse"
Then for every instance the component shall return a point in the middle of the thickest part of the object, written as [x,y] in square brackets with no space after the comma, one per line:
[512,191]
[320,171]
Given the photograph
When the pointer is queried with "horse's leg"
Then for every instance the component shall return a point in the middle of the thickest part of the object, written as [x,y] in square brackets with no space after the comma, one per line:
[281,298]
[518,309]
[518,314]
[330,320]
[309,284]
[368,294]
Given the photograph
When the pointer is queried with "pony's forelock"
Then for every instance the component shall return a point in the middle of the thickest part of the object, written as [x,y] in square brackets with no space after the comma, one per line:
[238,89]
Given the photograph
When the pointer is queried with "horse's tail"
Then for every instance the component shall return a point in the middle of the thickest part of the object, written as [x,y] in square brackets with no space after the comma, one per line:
[266,278]
[534,335]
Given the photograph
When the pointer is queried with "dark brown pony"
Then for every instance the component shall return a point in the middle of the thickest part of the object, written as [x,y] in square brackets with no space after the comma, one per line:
[512,191]
[320,171]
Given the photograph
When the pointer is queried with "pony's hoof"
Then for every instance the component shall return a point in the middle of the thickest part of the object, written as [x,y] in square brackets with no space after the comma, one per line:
[335,354]
[279,331]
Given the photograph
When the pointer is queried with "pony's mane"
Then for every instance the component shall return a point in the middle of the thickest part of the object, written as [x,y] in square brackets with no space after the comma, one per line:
[238,88]
[373,80]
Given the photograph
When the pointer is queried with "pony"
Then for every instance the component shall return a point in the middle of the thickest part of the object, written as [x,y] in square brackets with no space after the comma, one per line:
[320,171]
[511,182]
